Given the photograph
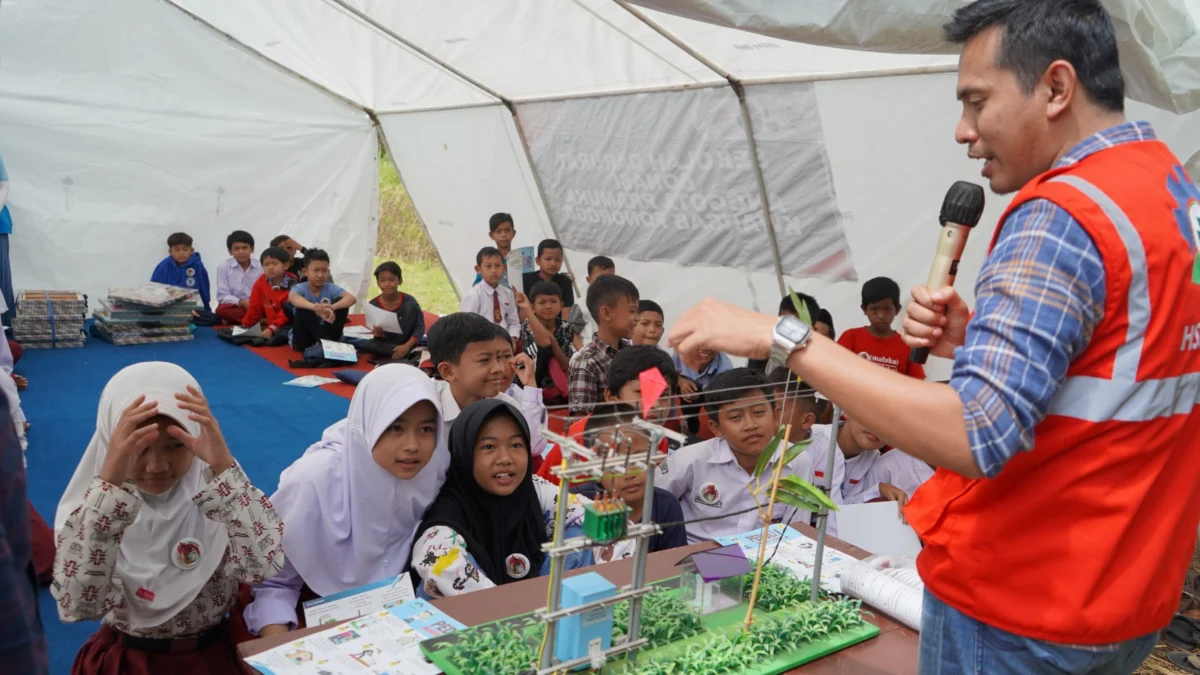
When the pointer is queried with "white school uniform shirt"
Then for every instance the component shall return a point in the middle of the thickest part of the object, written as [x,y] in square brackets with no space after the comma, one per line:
[478,300]
[898,468]
[818,451]
[708,482]
[528,401]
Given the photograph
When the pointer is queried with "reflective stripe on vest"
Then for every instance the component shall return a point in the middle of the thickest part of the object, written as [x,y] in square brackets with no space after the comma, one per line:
[1124,398]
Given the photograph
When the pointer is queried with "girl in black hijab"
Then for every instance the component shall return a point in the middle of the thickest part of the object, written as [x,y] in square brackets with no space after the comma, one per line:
[488,524]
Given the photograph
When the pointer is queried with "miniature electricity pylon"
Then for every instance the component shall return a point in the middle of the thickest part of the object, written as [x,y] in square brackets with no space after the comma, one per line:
[580,462]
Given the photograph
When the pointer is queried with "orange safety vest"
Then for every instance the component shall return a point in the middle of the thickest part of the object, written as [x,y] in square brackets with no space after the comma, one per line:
[1086,538]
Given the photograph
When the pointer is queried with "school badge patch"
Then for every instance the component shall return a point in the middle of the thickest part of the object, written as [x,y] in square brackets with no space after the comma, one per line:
[1187,214]
[709,495]
[517,566]
[187,553]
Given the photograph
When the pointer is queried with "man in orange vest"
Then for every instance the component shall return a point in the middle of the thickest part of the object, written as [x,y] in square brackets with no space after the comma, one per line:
[1059,526]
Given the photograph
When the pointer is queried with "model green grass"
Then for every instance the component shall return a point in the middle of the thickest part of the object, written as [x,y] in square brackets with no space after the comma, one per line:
[665,618]
[779,589]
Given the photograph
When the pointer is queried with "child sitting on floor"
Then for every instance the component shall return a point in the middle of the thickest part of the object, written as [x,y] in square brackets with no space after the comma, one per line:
[183,268]
[624,385]
[156,529]
[295,262]
[395,346]
[613,302]
[603,425]
[490,520]
[648,329]
[550,261]
[321,306]
[710,478]
[473,357]
[547,339]
[269,300]
[236,276]
[352,500]
[878,342]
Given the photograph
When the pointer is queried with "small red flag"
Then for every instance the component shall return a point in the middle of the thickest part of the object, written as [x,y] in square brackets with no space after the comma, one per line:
[653,385]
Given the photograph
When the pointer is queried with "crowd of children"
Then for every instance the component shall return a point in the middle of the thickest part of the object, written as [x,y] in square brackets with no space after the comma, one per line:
[449,476]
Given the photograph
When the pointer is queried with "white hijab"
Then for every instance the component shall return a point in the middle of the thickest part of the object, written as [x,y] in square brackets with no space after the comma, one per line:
[148,546]
[349,521]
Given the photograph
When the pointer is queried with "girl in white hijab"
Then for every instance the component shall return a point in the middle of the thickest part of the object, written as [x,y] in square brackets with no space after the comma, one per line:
[156,529]
[354,499]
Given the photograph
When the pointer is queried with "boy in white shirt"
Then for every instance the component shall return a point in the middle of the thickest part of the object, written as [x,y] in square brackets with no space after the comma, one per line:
[475,361]
[857,449]
[711,479]
[895,476]
[489,299]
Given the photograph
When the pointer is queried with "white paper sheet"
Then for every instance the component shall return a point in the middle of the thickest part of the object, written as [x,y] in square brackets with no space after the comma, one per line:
[386,320]
[877,527]
[356,602]
[339,351]
[253,331]
[310,381]
[357,332]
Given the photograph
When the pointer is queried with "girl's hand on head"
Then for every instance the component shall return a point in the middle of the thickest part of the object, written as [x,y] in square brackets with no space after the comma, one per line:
[210,444]
[130,437]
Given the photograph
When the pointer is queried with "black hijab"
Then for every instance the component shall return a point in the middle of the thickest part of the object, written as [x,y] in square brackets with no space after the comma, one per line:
[493,527]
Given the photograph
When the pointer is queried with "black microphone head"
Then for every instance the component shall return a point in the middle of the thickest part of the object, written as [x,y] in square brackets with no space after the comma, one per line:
[963,204]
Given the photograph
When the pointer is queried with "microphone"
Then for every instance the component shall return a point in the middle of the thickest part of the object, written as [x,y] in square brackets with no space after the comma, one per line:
[961,211]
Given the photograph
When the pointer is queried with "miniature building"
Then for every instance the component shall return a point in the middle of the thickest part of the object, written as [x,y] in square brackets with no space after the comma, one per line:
[713,580]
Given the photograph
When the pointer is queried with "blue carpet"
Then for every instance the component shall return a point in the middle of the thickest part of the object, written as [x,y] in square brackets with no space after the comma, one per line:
[266,424]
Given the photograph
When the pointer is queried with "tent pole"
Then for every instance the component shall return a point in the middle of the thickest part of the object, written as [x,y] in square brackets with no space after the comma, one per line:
[747,125]
[370,20]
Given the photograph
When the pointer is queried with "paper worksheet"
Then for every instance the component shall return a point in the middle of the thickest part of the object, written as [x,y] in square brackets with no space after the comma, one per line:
[339,351]
[253,331]
[310,381]
[386,320]
[796,552]
[382,643]
[360,601]
[877,527]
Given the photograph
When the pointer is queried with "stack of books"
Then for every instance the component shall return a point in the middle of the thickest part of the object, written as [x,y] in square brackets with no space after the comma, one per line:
[50,319]
[147,313]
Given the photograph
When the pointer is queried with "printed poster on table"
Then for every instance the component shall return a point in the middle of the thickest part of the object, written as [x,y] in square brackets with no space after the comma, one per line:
[796,552]
[383,643]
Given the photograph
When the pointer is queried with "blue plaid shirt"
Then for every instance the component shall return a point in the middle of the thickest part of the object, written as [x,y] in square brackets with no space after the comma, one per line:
[1039,296]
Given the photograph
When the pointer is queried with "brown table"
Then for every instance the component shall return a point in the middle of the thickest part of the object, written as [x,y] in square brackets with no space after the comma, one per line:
[893,651]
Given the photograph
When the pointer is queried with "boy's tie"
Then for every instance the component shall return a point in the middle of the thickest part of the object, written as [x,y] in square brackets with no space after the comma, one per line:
[496,316]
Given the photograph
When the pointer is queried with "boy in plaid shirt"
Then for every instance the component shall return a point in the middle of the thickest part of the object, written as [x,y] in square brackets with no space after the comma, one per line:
[613,303]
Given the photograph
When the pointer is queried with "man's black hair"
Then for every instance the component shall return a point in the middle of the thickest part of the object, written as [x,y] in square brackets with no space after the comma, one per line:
[786,306]
[1039,32]
[798,394]
[239,237]
[826,318]
[275,253]
[391,267]
[735,385]
[607,291]
[278,241]
[488,252]
[316,255]
[179,239]
[605,418]
[650,306]
[632,361]
[544,288]
[548,244]
[499,219]
[600,262]
[449,336]
[880,289]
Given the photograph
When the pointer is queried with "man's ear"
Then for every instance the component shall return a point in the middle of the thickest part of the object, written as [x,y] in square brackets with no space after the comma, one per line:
[714,426]
[609,397]
[446,370]
[808,421]
[477,270]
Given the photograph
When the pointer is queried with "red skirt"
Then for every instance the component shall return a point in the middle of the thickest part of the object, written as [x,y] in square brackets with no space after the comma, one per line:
[105,654]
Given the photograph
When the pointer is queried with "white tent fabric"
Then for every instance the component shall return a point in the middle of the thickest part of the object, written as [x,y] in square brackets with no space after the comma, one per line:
[125,121]
[705,159]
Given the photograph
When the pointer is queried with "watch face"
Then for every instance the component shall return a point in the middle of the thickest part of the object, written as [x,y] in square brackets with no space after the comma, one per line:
[794,330]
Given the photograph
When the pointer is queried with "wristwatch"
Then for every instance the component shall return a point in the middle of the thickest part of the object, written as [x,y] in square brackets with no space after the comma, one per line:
[790,334]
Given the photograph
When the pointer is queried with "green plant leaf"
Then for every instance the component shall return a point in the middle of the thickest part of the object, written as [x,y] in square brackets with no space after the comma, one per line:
[800,307]
[799,486]
[785,496]
[765,458]
[794,451]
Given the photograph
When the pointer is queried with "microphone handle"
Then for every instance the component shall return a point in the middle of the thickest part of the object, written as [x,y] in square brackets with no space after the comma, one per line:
[951,242]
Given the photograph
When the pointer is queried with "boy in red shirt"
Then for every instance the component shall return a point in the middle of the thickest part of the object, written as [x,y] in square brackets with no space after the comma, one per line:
[877,342]
[268,297]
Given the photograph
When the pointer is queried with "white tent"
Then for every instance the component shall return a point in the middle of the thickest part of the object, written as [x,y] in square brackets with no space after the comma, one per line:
[705,159]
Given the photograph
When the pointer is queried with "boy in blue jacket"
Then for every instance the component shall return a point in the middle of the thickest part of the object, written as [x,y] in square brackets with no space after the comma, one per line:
[183,267]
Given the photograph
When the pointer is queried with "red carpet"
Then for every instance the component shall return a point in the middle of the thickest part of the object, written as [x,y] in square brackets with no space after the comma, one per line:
[282,354]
